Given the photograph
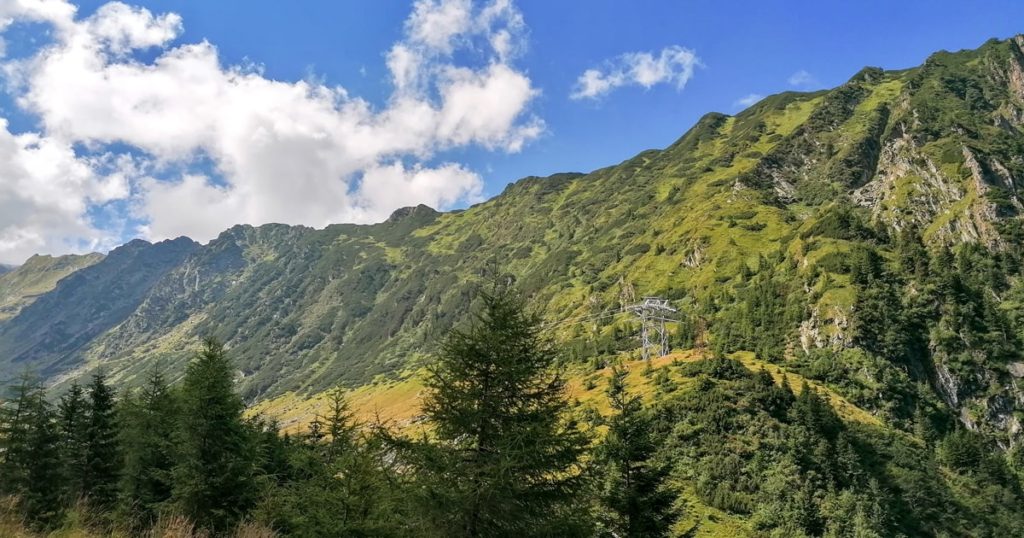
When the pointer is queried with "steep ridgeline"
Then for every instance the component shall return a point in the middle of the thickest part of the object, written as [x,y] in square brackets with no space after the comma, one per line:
[868,237]
[19,286]
[48,335]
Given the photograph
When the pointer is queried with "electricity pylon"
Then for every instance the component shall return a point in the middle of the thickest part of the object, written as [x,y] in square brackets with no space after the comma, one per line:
[652,312]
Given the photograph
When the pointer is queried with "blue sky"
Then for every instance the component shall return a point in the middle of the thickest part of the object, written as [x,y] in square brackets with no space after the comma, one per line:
[134,183]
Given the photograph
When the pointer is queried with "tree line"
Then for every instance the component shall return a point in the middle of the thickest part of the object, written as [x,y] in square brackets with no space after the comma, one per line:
[502,453]
[501,456]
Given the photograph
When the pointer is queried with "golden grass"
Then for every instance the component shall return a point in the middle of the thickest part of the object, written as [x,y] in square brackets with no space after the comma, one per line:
[398,402]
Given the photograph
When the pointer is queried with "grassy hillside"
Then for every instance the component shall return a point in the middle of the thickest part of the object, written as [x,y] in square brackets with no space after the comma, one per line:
[864,242]
[810,229]
[398,401]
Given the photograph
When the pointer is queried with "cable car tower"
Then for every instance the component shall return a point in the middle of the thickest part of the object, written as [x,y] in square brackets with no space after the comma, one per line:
[653,313]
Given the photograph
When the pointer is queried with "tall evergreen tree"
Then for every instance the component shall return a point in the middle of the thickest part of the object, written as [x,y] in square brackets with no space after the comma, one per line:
[14,432]
[102,456]
[505,458]
[213,480]
[632,495]
[340,424]
[72,417]
[29,468]
[148,444]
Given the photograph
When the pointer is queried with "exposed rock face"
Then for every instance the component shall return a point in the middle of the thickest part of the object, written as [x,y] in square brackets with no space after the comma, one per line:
[831,332]
[695,254]
[1016,69]
[949,386]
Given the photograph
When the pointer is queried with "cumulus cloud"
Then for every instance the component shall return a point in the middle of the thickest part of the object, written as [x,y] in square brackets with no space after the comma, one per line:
[300,152]
[747,100]
[802,79]
[673,65]
[45,192]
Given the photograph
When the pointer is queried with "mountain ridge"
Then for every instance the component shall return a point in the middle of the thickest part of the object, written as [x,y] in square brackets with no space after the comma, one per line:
[782,197]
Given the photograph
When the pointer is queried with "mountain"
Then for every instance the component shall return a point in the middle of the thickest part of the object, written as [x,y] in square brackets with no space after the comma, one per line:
[862,246]
[868,237]
[19,286]
[45,334]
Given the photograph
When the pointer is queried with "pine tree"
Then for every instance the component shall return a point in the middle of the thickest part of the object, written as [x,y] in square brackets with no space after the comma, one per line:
[102,456]
[148,444]
[213,480]
[504,461]
[634,501]
[72,416]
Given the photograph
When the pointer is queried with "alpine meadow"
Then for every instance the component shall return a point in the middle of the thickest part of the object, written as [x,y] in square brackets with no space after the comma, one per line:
[803,319]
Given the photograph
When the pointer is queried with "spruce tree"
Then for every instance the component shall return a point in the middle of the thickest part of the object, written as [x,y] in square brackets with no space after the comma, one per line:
[148,444]
[634,501]
[29,457]
[504,460]
[72,416]
[340,425]
[213,480]
[14,431]
[102,456]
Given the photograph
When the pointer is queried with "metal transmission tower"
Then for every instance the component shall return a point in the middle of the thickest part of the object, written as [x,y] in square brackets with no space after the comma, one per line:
[652,312]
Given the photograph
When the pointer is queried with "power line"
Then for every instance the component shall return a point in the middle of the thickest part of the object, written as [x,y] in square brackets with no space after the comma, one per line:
[589,317]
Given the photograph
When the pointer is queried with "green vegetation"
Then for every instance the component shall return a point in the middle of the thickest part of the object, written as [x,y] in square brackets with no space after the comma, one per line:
[868,240]
[501,453]
[503,457]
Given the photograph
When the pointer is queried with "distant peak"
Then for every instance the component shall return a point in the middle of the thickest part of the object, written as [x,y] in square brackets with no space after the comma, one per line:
[178,241]
[867,75]
[403,213]
[136,243]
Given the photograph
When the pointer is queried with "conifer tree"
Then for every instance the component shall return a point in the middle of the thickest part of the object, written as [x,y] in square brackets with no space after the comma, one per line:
[14,426]
[148,444]
[102,456]
[72,416]
[213,480]
[41,495]
[340,424]
[29,458]
[505,458]
[634,501]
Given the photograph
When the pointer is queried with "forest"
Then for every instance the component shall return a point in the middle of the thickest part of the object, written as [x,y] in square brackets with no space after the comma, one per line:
[500,451]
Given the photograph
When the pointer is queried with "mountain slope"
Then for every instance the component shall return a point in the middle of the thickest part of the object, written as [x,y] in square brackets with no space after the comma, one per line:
[19,286]
[811,229]
[45,334]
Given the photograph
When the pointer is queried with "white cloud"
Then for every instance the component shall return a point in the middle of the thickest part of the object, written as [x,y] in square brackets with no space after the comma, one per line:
[297,152]
[122,28]
[45,192]
[435,187]
[436,24]
[747,100]
[802,79]
[673,65]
